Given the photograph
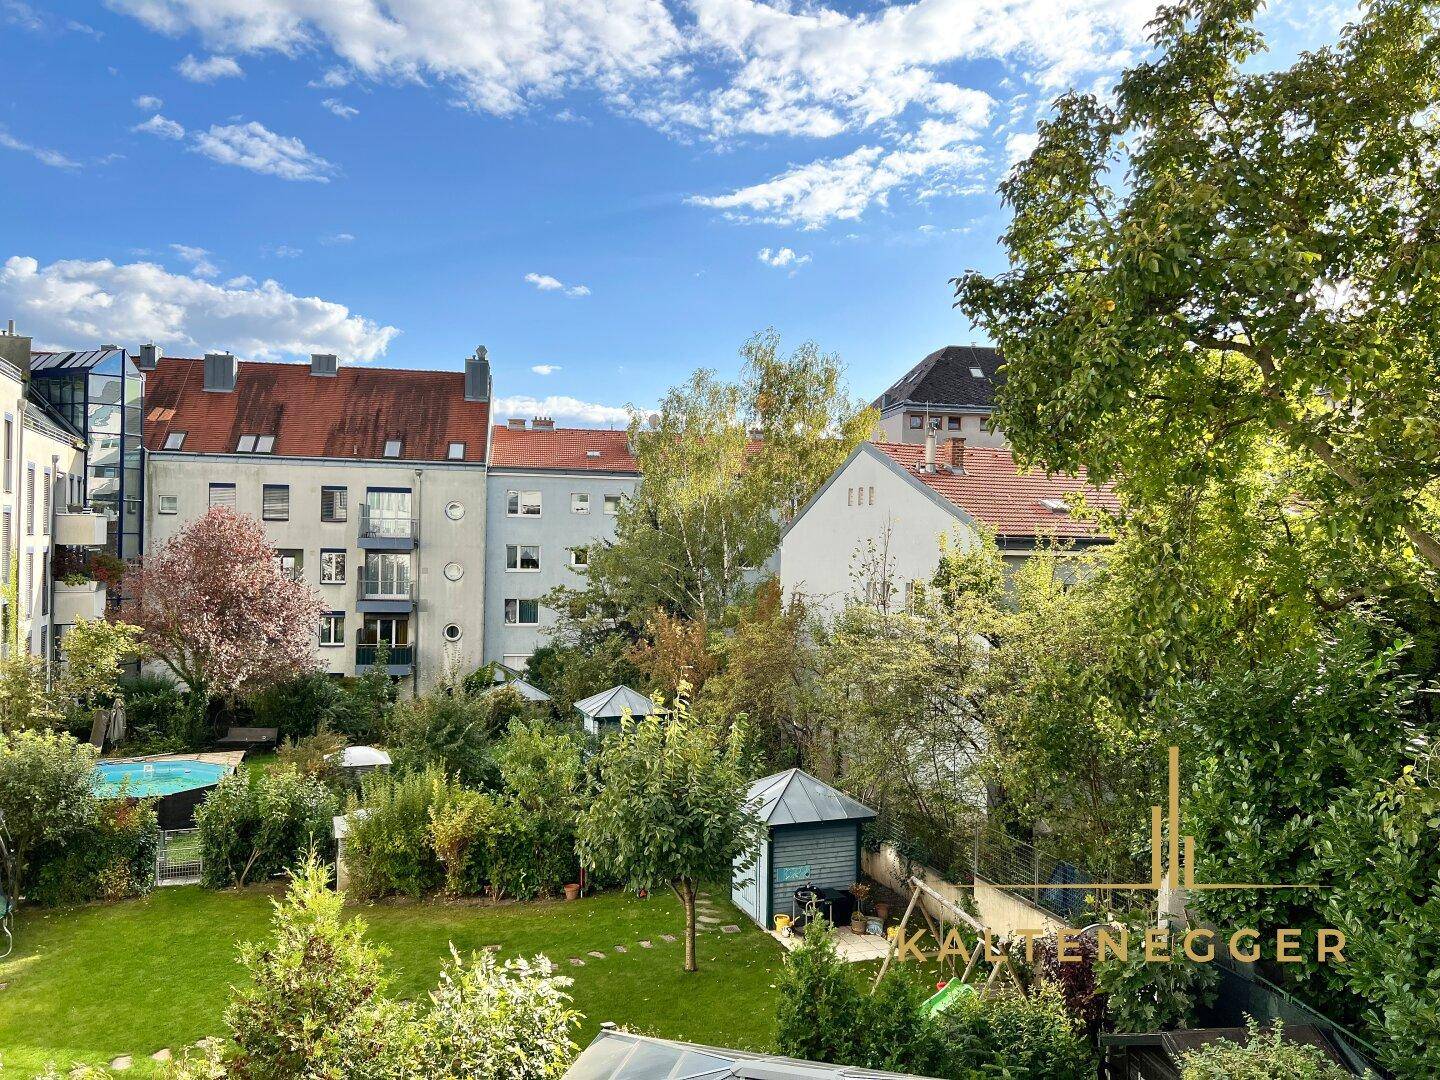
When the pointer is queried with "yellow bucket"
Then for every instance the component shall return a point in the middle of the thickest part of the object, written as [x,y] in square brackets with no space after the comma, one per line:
[782,923]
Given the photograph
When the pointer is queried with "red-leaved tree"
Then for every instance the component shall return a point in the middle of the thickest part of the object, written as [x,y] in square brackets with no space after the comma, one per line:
[217,609]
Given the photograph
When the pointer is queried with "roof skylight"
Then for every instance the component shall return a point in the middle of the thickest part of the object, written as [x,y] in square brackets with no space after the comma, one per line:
[175,440]
[392,448]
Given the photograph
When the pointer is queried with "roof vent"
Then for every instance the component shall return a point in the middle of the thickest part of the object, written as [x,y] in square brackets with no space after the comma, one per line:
[220,372]
[477,375]
[516,423]
[323,363]
[148,358]
[542,423]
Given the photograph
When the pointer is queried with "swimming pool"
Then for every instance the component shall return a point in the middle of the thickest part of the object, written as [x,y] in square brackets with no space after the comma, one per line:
[147,779]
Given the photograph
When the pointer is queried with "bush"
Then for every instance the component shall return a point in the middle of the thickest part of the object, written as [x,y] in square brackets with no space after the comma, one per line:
[46,791]
[389,848]
[296,707]
[159,718]
[447,730]
[363,705]
[110,859]
[316,757]
[1016,1036]
[255,825]
[1074,979]
[1142,996]
[1263,1056]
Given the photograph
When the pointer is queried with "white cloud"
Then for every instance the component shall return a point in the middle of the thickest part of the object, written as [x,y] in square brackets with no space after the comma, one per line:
[1019,145]
[209,69]
[76,303]
[338,238]
[545,369]
[148,102]
[198,258]
[161,127]
[53,158]
[255,147]
[282,251]
[561,408]
[339,108]
[781,257]
[548,283]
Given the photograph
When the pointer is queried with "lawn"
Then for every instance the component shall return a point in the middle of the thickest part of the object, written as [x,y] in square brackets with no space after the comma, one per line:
[92,983]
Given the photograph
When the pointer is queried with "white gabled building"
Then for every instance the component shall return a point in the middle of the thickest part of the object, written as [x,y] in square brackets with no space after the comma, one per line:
[877,523]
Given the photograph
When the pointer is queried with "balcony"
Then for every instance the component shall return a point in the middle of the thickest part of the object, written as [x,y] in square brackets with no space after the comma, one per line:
[384,596]
[78,529]
[385,530]
[73,603]
[401,659]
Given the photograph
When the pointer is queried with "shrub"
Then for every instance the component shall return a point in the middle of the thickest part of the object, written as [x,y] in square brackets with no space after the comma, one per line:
[158,717]
[458,827]
[542,770]
[296,707]
[447,730]
[46,790]
[389,847]
[1017,1036]
[316,757]
[110,859]
[1142,996]
[1074,979]
[363,705]
[1263,1056]
[254,825]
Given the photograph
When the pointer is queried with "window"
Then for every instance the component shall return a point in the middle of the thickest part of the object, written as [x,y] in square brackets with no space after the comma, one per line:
[393,630]
[169,504]
[332,628]
[392,448]
[580,557]
[275,502]
[612,504]
[522,612]
[264,444]
[9,453]
[387,573]
[44,586]
[456,451]
[516,661]
[30,501]
[387,513]
[850,496]
[592,454]
[523,504]
[579,502]
[45,505]
[222,495]
[916,422]
[953,423]
[872,496]
[175,440]
[522,556]
[5,545]
[291,562]
[452,631]
[246,445]
[334,503]
[332,567]
[976,373]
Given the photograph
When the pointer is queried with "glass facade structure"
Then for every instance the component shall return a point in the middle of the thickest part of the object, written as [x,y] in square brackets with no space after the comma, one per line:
[102,394]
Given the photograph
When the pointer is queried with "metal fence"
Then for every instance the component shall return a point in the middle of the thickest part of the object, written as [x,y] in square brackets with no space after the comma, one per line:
[177,859]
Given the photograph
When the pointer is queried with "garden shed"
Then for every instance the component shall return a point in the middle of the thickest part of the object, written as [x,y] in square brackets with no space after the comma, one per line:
[812,837]
[602,712]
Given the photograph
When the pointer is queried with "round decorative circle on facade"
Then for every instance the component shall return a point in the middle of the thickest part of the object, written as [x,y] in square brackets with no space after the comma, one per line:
[452,631]
[454,571]
[454,510]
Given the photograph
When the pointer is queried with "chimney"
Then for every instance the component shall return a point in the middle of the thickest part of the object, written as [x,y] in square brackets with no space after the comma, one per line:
[516,423]
[148,358]
[957,454]
[477,375]
[542,423]
[322,363]
[15,348]
[220,372]
[930,447]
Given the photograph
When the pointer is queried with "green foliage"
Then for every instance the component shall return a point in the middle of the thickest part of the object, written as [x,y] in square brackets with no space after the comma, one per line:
[389,848]
[1027,1037]
[671,809]
[1264,1055]
[46,782]
[316,757]
[158,717]
[362,708]
[579,657]
[93,653]
[447,729]
[296,707]
[24,700]
[1153,996]
[256,824]
[111,858]
[460,820]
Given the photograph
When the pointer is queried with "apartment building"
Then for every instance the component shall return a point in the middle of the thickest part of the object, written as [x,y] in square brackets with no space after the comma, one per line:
[370,483]
[952,392]
[554,495]
[42,496]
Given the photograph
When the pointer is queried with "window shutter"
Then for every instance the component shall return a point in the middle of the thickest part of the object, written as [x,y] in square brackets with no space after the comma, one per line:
[275,502]
[222,495]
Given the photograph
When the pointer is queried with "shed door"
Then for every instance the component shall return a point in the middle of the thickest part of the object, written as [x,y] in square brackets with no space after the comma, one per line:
[825,855]
[748,897]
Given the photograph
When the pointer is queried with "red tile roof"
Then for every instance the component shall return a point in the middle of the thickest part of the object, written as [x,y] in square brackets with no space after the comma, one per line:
[993,491]
[562,448]
[348,415]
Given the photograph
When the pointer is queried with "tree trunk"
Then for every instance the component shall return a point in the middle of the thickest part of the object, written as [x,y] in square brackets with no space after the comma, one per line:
[687,897]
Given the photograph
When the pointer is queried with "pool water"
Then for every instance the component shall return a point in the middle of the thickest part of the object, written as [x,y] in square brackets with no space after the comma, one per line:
[145,779]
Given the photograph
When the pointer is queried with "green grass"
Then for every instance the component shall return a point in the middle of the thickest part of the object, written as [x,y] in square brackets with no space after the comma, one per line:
[92,983]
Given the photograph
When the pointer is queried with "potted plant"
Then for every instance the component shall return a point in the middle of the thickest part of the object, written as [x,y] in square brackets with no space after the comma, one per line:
[572,891]
[857,922]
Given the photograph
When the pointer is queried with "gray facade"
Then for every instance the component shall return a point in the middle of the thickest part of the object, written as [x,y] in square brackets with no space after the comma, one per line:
[516,538]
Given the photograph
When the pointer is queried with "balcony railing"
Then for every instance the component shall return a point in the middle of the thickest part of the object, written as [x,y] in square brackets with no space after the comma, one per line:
[387,525]
[376,588]
[399,655]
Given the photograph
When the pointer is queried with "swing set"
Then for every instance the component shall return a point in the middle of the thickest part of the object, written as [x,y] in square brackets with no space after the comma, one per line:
[952,918]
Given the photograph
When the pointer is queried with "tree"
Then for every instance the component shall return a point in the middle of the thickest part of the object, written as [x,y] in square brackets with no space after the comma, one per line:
[47,782]
[671,809]
[94,653]
[24,700]
[219,612]
[1229,269]
[674,650]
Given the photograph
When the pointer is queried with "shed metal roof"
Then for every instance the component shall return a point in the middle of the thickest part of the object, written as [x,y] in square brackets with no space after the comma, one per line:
[619,1055]
[794,797]
[614,703]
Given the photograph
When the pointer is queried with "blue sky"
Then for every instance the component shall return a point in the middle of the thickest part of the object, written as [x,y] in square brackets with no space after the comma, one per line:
[605,195]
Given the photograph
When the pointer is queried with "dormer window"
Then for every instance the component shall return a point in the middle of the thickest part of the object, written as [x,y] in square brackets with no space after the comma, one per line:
[392,448]
[175,440]
[456,452]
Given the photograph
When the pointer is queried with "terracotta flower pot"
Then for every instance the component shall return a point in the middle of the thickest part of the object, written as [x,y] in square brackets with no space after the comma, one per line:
[882,911]
[572,891]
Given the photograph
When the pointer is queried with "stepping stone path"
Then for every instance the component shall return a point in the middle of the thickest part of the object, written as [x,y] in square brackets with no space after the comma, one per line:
[646,943]
[621,949]
[161,1055]
[707,920]
[597,954]
[121,1063]
[731,929]
[575,961]
[669,937]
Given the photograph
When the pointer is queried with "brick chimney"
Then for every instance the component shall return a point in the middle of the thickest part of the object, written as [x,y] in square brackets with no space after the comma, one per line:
[516,423]
[542,423]
[955,456]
